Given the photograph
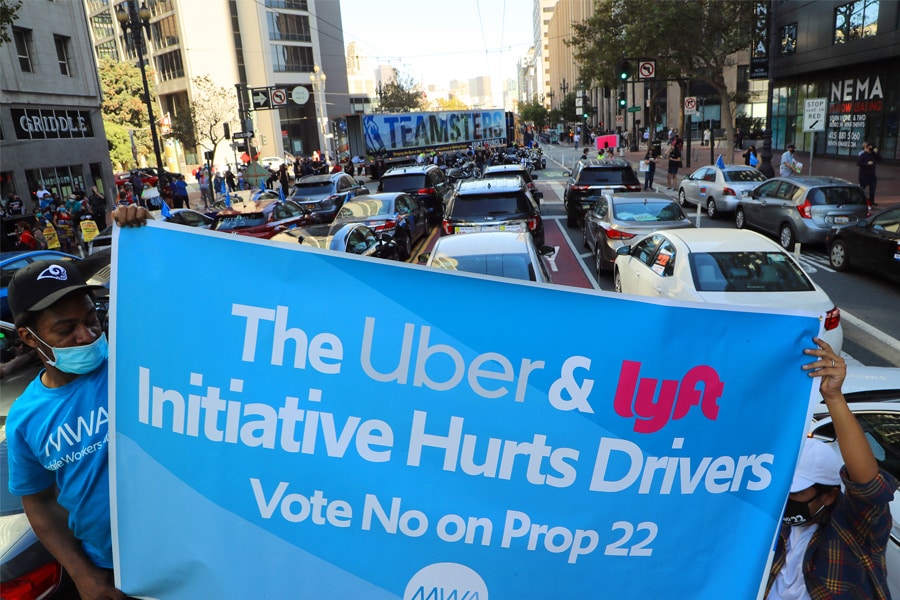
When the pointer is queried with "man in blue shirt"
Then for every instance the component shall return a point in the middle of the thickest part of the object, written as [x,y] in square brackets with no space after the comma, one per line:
[57,430]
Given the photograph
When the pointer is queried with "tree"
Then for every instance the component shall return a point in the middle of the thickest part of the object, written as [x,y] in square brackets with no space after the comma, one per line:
[567,109]
[124,109]
[534,112]
[451,103]
[211,106]
[8,10]
[401,94]
[650,29]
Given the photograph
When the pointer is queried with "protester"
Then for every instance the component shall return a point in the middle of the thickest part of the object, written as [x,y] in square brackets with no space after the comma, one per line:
[674,157]
[65,226]
[14,205]
[180,199]
[67,503]
[788,165]
[24,238]
[97,204]
[866,163]
[832,543]
[751,159]
[650,159]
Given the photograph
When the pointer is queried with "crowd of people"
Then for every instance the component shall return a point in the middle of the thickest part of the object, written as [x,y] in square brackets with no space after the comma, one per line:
[56,223]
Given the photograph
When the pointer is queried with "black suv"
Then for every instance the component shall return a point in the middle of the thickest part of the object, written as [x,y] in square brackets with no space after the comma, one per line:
[324,195]
[592,178]
[426,183]
[502,204]
[495,171]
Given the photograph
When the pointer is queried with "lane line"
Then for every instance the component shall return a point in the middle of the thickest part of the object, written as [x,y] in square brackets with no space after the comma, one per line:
[879,335]
[587,272]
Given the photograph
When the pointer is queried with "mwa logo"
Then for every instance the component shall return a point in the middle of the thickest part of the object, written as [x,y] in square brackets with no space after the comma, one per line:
[653,402]
[446,581]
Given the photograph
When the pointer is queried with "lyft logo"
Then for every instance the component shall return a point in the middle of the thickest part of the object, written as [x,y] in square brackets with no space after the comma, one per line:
[653,402]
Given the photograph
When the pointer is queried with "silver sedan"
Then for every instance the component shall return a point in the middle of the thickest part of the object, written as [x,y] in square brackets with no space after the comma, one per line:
[718,189]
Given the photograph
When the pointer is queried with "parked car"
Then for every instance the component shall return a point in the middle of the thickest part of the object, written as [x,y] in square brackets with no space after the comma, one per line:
[272,163]
[180,216]
[497,253]
[593,177]
[354,238]
[12,261]
[493,205]
[614,219]
[324,195]
[393,213]
[427,184]
[262,218]
[495,171]
[718,189]
[801,209]
[871,244]
[725,267]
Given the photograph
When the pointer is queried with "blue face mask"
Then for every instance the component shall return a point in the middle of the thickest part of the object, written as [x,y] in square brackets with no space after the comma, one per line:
[77,360]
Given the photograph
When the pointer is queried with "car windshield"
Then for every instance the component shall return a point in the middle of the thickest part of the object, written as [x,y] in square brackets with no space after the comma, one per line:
[647,211]
[514,266]
[743,175]
[836,195]
[402,183]
[365,208]
[231,222]
[475,205]
[747,272]
[623,176]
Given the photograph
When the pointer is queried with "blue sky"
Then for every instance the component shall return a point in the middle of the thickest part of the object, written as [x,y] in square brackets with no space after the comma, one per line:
[436,41]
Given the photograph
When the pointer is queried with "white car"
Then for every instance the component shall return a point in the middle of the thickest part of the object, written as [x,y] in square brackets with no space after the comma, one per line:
[273,163]
[723,266]
[499,253]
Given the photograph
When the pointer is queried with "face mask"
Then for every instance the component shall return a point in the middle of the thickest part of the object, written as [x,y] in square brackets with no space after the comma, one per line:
[77,360]
[797,512]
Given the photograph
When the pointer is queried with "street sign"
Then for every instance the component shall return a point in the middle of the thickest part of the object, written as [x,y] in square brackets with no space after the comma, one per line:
[299,95]
[242,134]
[690,105]
[647,69]
[260,98]
[278,97]
[815,114]
[634,109]
[579,100]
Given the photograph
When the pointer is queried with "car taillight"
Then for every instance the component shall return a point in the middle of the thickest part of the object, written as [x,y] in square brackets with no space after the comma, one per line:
[446,227]
[580,188]
[532,224]
[804,209]
[37,584]
[425,191]
[615,234]
[729,192]
[832,318]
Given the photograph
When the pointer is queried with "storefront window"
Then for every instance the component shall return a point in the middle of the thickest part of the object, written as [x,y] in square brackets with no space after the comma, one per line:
[62,181]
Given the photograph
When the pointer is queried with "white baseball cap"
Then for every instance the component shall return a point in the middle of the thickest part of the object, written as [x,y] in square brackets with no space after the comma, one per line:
[819,463]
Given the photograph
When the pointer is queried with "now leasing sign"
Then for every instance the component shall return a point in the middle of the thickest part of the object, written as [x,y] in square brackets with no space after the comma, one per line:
[307,424]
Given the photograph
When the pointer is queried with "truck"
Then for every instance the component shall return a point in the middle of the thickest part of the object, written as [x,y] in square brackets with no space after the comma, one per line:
[393,139]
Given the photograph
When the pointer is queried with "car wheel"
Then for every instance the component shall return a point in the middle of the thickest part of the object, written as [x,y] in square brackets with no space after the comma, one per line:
[598,263]
[711,210]
[739,220]
[786,237]
[405,246]
[617,281]
[584,236]
[838,256]
[682,197]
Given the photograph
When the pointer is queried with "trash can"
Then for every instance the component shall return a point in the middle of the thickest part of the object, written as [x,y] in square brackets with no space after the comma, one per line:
[657,148]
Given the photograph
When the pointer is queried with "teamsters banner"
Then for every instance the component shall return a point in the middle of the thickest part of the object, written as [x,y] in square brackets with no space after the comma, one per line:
[293,423]
[401,134]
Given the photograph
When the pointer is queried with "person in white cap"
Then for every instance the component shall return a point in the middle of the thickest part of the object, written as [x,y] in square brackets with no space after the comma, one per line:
[832,542]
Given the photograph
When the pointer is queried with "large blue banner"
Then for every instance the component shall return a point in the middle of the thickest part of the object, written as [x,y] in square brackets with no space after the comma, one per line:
[296,423]
[404,134]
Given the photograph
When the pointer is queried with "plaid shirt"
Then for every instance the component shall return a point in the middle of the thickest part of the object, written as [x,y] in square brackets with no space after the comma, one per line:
[856,532]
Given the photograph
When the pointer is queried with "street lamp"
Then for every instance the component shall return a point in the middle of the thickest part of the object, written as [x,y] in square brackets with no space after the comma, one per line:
[136,20]
[550,95]
[317,78]
[379,89]
[564,87]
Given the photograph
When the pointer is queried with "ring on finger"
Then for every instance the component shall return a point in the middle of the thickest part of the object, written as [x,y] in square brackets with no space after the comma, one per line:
[832,362]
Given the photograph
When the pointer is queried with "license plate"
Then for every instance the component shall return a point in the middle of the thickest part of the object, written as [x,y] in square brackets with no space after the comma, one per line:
[515,227]
[841,220]
[468,229]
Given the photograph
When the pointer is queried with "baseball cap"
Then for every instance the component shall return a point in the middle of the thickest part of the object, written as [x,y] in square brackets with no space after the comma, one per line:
[792,147]
[819,463]
[43,283]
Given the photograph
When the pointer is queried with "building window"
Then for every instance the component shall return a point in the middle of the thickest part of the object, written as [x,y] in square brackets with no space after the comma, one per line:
[158,7]
[289,28]
[292,59]
[788,37]
[102,26]
[855,20]
[107,50]
[23,49]
[164,33]
[169,65]
[62,55]
[288,4]
[96,5]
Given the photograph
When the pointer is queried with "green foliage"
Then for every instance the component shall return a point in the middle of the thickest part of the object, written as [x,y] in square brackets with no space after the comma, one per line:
[452,103]
[8,10]
[751,126]
[401,95]
[534,112]
[124,107]
[567,111]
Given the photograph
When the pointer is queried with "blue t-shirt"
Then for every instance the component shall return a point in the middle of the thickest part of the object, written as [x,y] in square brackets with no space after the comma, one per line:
[61,436]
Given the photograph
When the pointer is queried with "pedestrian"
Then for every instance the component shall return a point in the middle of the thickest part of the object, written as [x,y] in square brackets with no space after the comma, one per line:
[750,157]
[14,205]
[867,177]
[584,155]
[230,181]
[283,179]
[65,227]
[576,139]
[24,238]
[650,159]
[832,542]
[674,158]
[788,166]
[97,204]
[67,502]
[181,193]
[739,139]
[706,137]
[137,183]
[203,181]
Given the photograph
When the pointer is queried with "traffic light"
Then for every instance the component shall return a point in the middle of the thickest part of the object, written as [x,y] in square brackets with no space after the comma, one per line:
[227,130]
[624,70]
[623,101]
[585,115]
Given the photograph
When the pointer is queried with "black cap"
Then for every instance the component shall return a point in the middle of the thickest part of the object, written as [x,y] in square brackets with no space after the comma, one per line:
[792,147]
[43,283]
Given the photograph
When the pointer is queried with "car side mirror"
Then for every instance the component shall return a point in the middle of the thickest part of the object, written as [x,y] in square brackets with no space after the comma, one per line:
[567,173]
[547,251]
[423,258]
[623,250]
